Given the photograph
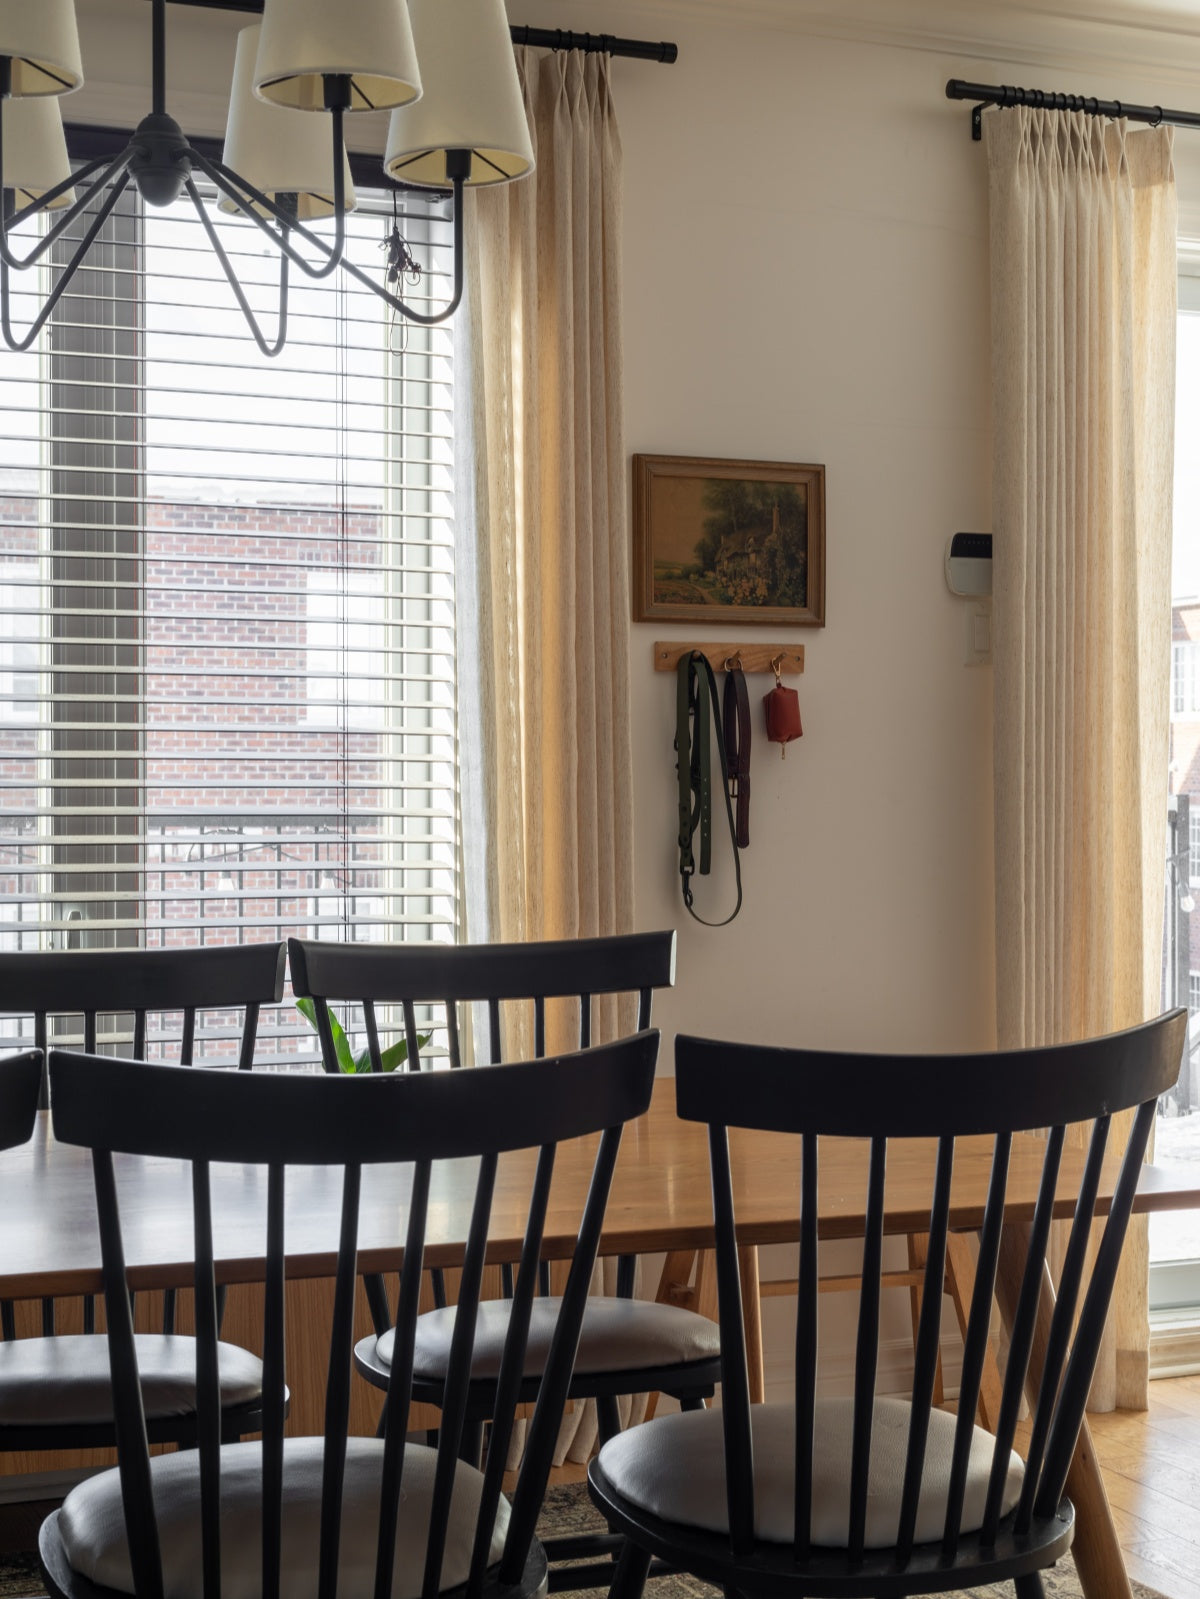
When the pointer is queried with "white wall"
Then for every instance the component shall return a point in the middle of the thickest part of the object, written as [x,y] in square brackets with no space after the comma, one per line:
[806,280]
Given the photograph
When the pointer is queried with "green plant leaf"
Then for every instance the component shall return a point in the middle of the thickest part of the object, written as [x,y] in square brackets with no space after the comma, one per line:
[341,1044]
[348,1062]
[398,1053]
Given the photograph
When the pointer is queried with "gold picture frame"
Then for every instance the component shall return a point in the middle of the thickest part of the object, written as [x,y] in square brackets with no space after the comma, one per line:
[728,541]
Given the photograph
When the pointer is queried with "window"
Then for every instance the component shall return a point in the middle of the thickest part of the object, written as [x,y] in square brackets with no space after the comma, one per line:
[1175,1237]
[227,696]
[1185,681]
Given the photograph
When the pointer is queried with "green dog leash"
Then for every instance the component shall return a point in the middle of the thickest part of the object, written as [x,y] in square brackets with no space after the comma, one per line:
[696,714]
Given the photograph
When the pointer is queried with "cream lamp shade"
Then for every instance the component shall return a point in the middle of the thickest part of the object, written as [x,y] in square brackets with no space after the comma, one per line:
[277,150]
[41,38]
[368,41]
[472,98]
[35,150]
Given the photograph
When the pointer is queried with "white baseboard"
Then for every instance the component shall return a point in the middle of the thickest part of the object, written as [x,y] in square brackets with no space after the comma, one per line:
[32,1485]
[1174,1344]
[835,1373]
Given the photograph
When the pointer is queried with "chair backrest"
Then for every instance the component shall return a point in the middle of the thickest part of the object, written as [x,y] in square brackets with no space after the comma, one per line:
[203,1116]
[888,1098]
[116,982]
[20,1079]
[446,975]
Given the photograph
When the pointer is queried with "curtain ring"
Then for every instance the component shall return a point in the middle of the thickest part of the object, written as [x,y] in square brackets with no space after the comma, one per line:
[1156,119]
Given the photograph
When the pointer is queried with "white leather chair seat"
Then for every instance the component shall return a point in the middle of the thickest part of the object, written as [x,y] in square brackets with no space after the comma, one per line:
[65,1379]
[92,1526]
[674,1467]
[618,1335]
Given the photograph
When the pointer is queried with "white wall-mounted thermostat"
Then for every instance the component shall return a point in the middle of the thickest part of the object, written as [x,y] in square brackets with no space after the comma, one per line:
[969,564]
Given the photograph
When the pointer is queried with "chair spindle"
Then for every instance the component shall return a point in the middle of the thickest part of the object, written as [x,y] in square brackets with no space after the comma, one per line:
[399,1392]
[925,1356]
[806,1346]
[337,1387]
[462,1343]
[512,1362]
[208,1384]
[274,1385]
[1063,1319]
[866,1356]
[1021,1336]
[735,1377]
[975,1343]
[368,1010]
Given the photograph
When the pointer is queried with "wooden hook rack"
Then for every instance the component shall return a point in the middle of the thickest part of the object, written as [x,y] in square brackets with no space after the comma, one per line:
[751,657]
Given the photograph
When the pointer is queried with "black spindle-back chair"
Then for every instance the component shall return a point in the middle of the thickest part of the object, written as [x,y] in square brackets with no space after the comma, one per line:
[335,1514]
[69,994]
[628,1346]
[883,1496]
[20,1081]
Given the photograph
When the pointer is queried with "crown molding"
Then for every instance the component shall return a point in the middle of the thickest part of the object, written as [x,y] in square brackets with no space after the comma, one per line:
[1160,42]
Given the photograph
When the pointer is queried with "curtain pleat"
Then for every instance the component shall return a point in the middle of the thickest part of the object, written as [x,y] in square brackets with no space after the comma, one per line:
[1082,221]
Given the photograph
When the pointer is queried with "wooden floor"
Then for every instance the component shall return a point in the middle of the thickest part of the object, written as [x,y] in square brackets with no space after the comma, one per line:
[1151,1465]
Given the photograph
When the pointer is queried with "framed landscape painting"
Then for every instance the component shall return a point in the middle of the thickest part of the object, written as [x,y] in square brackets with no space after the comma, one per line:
[728,541]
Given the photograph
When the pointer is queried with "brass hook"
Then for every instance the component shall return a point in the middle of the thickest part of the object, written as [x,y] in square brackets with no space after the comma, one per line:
[776,664]
[733,663]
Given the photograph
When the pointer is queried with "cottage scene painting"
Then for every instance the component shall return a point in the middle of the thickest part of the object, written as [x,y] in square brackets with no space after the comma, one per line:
[728,541]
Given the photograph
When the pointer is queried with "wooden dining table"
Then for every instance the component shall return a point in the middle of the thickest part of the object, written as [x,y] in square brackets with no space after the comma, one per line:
[660,1202]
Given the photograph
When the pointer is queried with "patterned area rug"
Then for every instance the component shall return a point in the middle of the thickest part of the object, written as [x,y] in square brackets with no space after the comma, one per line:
[568,1509]
[19,1574]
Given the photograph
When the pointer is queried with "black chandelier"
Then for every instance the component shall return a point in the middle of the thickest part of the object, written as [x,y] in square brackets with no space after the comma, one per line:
[445,69]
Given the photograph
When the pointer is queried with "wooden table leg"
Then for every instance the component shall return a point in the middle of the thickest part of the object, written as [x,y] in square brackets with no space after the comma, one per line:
[1097,1550]
[752,1320]
[960,1281]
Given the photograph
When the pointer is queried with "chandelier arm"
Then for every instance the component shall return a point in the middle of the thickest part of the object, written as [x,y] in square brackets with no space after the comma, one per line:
[238,188]
[110,171]
[239,292]
[427,319]
[81,175]
[67,274]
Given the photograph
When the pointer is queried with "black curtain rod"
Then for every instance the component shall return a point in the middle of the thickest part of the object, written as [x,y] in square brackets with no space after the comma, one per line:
[545,38]
[564,39]
[1004,94]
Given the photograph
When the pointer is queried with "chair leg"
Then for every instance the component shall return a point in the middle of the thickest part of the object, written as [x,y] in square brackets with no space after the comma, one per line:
[632,1570]
[470,1445]
[692,1402]
[608,1417]
[1030,1587]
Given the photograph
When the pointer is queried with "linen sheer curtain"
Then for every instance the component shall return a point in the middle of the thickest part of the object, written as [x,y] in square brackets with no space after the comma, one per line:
[544,595]
[541,342]
[1082,222]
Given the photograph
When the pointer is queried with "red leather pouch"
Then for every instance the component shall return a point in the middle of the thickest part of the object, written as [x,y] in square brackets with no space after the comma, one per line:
[782,706]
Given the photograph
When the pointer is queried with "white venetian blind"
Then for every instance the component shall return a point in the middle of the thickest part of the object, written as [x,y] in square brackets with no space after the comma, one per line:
[227,698]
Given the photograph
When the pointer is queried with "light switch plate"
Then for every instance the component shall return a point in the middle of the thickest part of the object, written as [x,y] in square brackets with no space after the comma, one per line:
[979,633]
